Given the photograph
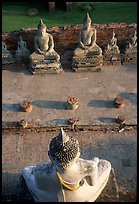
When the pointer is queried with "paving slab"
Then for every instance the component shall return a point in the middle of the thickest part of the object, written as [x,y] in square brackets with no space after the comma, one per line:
[48,94]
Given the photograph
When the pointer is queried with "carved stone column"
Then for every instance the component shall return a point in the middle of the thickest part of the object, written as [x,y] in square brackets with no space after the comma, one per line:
[68,6]
[51,6]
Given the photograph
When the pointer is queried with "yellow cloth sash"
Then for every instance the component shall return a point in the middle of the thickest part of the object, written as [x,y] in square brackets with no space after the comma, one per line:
[64,183]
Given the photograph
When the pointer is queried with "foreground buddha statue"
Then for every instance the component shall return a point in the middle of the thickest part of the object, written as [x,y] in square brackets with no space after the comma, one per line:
[6,55]
[44,59]
[67,177]
[87,54]
[22,52]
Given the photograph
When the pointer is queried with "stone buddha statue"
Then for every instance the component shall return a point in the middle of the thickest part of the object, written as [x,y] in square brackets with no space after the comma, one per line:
[87,53]
[66,177]
[44,58]
[132,45]
[6,55]
[22,52]
[112,48]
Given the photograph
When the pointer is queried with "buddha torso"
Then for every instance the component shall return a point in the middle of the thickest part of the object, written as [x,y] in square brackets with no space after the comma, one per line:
[113,42]
[86,36]
[75,176]
[22,45]
[43,41]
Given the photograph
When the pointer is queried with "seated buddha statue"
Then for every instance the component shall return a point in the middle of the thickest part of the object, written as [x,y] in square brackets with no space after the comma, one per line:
[88,53]
[112,48]
[66,177]
[132,44]
[6,55]
[44,57]
[22,52]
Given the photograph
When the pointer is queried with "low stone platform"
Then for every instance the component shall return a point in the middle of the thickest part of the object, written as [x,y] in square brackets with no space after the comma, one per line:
[87,64]
[112,60]
[50,69]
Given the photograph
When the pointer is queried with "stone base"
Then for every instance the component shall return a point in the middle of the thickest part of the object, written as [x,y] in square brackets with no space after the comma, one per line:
[6,61]
[87,63]
[46,68]
[112,59]
[6,57]
[129,58]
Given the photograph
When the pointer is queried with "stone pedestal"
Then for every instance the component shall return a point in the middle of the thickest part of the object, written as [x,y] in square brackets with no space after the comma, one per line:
[112,59]
[87,63]
[130,55]
[45,67]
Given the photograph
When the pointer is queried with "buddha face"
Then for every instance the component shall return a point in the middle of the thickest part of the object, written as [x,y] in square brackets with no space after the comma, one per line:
[42,30]
[87,24]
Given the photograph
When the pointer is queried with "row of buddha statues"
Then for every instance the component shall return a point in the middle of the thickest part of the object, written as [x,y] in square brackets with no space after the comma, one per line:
[21,53]
[87,55]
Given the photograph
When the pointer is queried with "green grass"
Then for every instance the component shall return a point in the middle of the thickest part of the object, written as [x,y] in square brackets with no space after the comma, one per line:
[15,17]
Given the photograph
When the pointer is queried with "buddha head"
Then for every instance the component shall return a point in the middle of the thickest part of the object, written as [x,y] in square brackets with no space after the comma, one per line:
[20,38]
[63,150]
[41,26]
[87,21]
[113,34]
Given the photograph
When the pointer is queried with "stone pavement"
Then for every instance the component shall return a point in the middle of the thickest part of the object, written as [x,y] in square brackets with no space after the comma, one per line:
[48,93]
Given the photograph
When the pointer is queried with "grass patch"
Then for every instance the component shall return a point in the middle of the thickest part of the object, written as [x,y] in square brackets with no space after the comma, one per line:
[15,17]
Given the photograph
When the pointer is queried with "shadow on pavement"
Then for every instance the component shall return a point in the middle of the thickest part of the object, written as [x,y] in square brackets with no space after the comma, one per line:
[14,188]
[132,97]
[107,120]
[11,107]
[60,122]
[50,104]
[101,104]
